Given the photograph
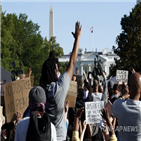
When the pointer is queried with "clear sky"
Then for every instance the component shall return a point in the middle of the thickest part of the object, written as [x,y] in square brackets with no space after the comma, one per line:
[103,16]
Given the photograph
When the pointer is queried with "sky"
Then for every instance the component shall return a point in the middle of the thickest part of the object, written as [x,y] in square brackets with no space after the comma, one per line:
[103,16]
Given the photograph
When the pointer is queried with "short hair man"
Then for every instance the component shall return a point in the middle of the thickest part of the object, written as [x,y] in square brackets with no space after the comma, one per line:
[37,127]
[128,112]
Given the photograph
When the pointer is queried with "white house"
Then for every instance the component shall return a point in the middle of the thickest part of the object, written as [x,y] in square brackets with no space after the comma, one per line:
[85,60]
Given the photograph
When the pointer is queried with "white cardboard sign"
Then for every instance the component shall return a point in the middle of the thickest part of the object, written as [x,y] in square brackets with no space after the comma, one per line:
[93,111]
[122,75]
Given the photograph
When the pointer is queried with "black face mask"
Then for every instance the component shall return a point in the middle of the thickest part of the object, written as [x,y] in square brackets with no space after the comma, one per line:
[39,128]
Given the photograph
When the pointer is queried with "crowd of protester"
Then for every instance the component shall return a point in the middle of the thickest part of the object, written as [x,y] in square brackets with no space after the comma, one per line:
[50,118]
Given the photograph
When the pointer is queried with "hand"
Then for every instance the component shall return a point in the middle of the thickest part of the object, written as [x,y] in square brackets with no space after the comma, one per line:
[105,114]
[77,30]
[103,73]
[79,112]
[19,116]
[16,117]
[133,71]
[123,83]
[29,72]
[84,125]
[67,104]
[126,96]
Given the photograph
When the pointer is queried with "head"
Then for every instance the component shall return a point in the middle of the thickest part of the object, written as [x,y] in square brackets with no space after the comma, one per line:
[124,90]
[100,89]
[73,78]
[135,86]
[76,71]
[95,85]
[37,100]
[50,70]
[116,89]
[81,93]
[87,86]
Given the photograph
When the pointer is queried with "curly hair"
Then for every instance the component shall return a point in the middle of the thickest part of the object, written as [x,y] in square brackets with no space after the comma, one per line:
[48,70]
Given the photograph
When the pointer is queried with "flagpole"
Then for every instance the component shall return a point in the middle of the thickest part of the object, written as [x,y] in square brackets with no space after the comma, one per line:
[93,40]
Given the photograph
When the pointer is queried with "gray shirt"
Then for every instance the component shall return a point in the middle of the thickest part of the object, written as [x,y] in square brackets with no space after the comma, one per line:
[22,127]
[128,114]
[97,96]
[55,104]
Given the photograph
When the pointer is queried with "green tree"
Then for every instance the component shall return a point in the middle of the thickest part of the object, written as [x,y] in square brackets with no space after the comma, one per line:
[63,67]
[55,46]
[30,39]
[21,41]
[7,40]
[129,42]
[52,45]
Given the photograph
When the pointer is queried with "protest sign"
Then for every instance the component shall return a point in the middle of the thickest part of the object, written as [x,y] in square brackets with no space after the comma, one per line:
[25,76]
[93,111]
[122,75]
[109,107]
[16,96]
[72,92]
[32,81]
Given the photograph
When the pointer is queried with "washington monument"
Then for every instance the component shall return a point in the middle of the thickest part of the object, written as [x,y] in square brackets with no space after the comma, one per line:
[51,24]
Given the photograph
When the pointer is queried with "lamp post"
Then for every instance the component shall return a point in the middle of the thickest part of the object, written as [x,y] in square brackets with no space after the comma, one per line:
[16,70]
[97,71]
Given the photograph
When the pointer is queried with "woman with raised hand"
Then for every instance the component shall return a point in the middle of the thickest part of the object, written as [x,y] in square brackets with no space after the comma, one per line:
[57,86]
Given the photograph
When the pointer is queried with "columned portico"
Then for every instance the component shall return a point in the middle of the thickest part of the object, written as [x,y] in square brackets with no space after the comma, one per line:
[85,61]
[89,67]
[81,69]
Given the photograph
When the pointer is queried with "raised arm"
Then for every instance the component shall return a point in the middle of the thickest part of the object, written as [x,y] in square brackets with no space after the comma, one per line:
[105,88]
[75,136]
[74,53]
[105,115]
[85,76]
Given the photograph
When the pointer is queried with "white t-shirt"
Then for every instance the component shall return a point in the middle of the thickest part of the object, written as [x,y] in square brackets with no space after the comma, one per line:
[22,127]
[97,96]
[85,94]
[128,114]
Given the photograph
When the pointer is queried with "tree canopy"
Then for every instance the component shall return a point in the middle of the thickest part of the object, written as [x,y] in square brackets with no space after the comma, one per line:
[129,42]
[21,41]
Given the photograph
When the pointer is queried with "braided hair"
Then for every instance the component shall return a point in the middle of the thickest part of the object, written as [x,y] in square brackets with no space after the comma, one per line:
[48,70]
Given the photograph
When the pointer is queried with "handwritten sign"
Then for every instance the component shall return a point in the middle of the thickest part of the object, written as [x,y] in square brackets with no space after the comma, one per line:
[16,96]
[72,92]
[32,81]
[122,75]
[93,111]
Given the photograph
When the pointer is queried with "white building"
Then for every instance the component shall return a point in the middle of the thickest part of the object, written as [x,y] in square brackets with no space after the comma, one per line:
[85,60]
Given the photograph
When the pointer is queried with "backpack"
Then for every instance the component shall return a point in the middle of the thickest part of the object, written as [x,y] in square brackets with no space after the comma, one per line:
[39,128]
